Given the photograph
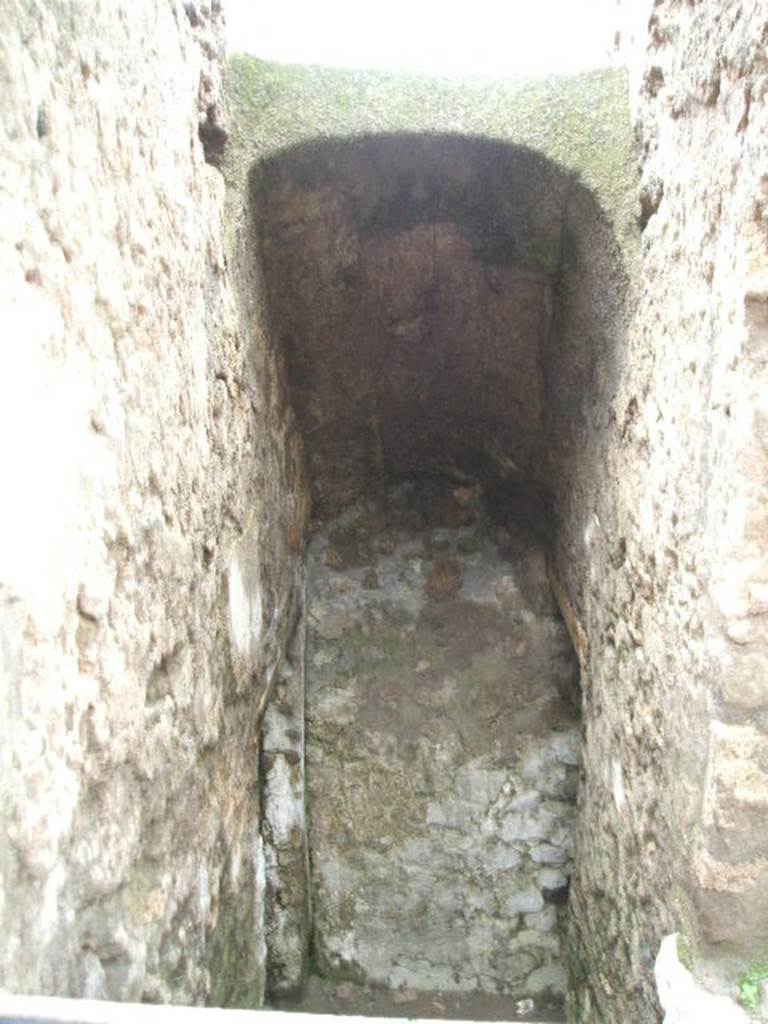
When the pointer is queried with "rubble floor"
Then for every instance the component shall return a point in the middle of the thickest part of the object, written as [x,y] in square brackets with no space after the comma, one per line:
[442,759]
[322,996]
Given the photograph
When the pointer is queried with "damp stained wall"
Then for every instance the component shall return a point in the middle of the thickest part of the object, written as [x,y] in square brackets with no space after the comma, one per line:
[409,283]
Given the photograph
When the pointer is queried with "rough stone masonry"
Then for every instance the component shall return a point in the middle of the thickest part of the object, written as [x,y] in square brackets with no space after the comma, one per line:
[157,468]
[141,619]
[442,749]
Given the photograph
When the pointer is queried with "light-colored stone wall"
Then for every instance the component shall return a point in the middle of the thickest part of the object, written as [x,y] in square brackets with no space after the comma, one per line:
[664,547]
[284,825]
[145,560]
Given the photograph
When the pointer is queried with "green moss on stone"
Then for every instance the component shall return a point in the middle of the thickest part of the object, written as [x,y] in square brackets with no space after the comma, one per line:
[685,952]
[579,122]
[751,986]
[237,974]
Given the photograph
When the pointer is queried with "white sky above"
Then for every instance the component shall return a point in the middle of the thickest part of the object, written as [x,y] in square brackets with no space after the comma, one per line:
[485,37]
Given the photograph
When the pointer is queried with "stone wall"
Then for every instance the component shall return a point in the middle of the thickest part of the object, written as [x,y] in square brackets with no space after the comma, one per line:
[287,916]
[156,498]
[663,545]
[654,457]
[409,286]
[444,305]
[145,464]
[577,122]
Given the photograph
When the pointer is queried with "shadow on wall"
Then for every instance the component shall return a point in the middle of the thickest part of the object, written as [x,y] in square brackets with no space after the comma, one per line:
[412,286]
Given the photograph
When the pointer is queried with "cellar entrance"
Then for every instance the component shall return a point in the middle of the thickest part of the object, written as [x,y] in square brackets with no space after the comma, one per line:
[422,754]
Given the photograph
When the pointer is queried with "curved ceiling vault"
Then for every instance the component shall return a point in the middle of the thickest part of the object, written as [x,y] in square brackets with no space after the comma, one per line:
[411,285]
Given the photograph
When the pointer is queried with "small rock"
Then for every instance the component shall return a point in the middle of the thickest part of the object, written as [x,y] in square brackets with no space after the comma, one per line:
[371,580]
[507,593]
[444,581]
[466,495]
[332,558]
[330,624]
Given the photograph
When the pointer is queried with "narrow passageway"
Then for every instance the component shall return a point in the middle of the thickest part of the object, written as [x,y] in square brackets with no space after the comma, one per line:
[420,292]
[388,633]
[442,749]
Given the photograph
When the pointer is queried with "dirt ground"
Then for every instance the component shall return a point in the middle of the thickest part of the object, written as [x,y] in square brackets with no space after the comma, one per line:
[322,996]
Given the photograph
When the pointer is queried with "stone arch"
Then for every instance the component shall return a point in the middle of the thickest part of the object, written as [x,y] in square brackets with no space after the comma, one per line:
[414,285]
